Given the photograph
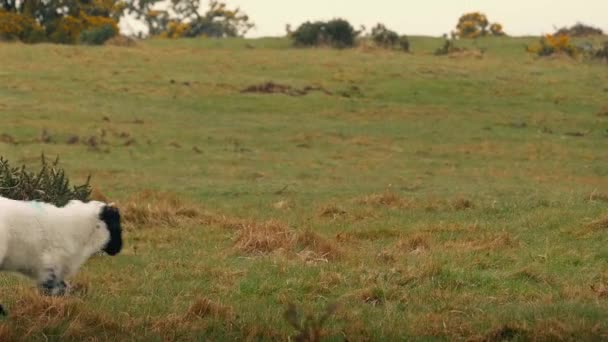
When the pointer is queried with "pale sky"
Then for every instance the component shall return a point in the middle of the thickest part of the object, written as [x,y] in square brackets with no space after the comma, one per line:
[425,17]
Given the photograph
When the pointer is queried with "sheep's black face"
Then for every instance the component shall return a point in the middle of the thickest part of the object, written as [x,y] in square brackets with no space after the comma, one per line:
[111,217]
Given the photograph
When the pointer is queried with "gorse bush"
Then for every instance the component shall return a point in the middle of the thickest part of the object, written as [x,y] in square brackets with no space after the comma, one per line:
[337,33]
[475,24]
[50,184]
[58,21]
[14,26]
[88,29]
[554,44]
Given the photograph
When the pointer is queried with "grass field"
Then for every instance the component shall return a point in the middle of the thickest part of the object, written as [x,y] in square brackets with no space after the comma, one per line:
[428,197]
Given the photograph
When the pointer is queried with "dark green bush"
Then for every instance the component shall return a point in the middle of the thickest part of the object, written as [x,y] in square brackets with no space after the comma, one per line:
[389,39]
[97,35]
[404,43]
[384,37]
[340,33]
[337,33]
[579,30]
[308,34]
[49,185]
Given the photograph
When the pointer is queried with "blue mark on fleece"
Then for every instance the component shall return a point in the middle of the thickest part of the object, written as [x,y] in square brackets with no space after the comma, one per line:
[37,205]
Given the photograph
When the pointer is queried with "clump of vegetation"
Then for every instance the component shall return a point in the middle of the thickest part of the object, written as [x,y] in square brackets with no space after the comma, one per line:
[602,53]
[389,39]
[337,33]
[579,30]
[153,208]
[97,35]
[475,24]
[554,44]
[183,18]
[14,26]
[57,21]
[449,46]
[49,185]
[308,327]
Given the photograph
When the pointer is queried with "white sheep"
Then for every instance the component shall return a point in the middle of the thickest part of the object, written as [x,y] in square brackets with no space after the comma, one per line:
[49,243]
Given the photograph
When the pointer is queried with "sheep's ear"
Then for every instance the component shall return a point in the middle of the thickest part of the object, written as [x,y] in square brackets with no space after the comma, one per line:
[109,214]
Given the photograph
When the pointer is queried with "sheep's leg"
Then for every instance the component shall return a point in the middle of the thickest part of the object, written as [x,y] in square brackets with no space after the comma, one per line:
[51,284]
[2,311]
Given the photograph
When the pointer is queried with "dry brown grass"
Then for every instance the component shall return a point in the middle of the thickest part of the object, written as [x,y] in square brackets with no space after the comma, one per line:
[97,195]
[317,248]
[371,235]
[484,242]
[203,307]
[258,238]
[416,243]
[265,237]
[386,199]
[462,203]
[599,224]
[34,314]
[153,208]
[596,196]
[392,200]
[332,211]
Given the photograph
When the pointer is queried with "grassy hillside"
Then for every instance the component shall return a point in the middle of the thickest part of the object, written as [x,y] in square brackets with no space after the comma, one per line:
[429,197]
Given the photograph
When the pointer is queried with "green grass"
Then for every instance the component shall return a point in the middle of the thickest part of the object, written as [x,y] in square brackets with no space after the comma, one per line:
[423,133]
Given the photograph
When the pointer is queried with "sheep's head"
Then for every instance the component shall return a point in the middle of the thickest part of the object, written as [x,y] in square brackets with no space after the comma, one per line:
[110,215]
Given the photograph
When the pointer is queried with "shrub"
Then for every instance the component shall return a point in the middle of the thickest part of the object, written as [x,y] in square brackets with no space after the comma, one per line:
[85,28]
[602,53]
[67,30]
[97,36]
[14,26]
[404,43]
[176,29]
[50,184]
[308,34]
[554,44]
[475,24]
[496,30]
[384,37]
[579,30]
[340,33]
[447,48]
[337,33]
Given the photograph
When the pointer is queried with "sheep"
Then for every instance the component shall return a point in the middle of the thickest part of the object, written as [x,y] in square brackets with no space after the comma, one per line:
[49,243]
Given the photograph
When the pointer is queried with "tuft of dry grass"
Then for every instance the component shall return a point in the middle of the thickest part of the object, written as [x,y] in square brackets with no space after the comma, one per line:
[601,223]
[387,199]
[265,237]
[203,307]
[487,242]
[462,203]
[417,243]
[321,248]
[392,200]
[97,195]
[600,290]
[503,333]
[274,236]
[36,314]
[596,196]
[153,208]
[331,211]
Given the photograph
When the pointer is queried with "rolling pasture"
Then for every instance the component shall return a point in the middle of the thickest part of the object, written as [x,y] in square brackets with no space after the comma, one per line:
[412,196]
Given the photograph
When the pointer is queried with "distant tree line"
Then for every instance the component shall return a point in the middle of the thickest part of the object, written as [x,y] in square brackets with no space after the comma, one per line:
[95,21]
